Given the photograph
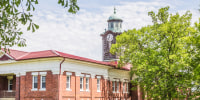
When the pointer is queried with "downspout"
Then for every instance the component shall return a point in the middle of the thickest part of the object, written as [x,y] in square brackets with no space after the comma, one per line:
[59,78]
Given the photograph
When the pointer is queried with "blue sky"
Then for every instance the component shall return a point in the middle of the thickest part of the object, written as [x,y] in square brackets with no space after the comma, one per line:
[79,34]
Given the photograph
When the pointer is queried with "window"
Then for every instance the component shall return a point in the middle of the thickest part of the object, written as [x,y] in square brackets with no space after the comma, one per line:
[124,87]
[35,82]
[113,86]
[116,25]
[68,80]
[87,83]
[43,82]
[117,86]
[111,24]
[98,85]
[127,87]
[81,83]
[10,85]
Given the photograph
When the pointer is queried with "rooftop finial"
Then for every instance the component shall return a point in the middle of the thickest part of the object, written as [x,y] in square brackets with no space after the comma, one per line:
[114,10]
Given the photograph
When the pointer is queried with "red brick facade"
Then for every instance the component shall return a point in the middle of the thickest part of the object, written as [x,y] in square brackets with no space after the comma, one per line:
[56,88]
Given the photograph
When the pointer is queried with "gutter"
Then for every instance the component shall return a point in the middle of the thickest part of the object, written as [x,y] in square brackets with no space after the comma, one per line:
[59,78]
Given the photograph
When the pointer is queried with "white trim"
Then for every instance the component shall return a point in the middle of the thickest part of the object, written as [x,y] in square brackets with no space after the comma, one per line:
[87,76]
[34,73]
[68,73]
[81,75]
[6,54]
[98,77]
[43,73]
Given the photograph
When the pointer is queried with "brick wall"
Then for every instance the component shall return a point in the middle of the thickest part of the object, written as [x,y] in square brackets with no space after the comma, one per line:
[3,83]
[52,91]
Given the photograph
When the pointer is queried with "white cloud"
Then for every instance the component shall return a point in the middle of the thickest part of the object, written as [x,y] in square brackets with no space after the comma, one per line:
[80,34]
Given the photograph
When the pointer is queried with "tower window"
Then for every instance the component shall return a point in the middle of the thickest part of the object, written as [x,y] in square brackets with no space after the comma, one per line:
[117,25]
[111,24]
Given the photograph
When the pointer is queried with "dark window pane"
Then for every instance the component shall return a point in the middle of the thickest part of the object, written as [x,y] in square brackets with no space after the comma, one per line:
[43,85]
[11,87]
[35,85]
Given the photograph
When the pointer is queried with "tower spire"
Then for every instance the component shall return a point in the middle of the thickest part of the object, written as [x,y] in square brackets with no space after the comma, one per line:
[114,10]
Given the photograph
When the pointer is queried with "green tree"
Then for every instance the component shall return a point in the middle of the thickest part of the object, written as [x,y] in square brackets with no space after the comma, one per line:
[16,12]
[160,55]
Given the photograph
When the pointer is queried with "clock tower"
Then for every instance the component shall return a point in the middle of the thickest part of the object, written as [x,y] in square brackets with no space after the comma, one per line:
[109,36]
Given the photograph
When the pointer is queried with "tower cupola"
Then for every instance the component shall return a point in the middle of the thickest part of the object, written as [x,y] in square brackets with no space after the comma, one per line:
[115,23]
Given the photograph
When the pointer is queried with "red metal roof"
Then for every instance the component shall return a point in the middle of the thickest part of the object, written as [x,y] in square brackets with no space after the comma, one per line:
[21,55]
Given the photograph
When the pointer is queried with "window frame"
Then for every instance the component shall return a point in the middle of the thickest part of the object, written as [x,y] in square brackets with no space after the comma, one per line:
[10,84]
[68,82]
[98,83]
[112,25]
[33,82]
[124,87]
[41,82]
[127,88]
[87,83]
[42,74]
[113,86]
[81,83]
[117,86]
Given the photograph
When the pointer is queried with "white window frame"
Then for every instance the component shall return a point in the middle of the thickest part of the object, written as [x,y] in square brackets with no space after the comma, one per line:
[87,83]
[81,83]
[124,87]
[68,74]
[127,87]
[68,82]
[10,84]
[117,87]
[98,83]
[41,86]
[33,78]
[113,86]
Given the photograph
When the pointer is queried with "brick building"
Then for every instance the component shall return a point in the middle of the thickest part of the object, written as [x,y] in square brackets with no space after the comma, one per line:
[53,75]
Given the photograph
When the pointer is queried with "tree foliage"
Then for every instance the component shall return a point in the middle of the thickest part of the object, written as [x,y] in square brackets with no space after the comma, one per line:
[162,55]
[16,12]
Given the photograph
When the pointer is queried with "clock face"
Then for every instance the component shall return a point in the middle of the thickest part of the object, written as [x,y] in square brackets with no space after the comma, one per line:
[109,37]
